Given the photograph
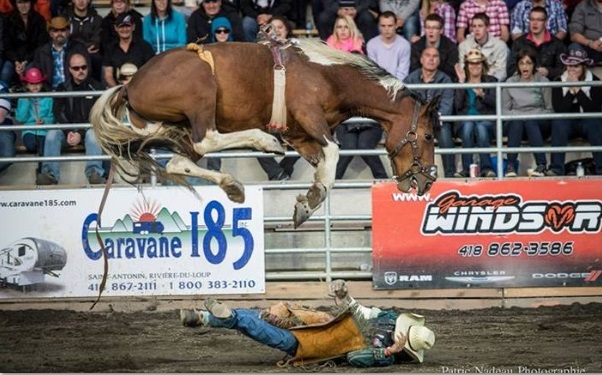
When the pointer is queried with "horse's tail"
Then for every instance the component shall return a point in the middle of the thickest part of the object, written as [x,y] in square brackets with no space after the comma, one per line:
[115,138]
[129,149]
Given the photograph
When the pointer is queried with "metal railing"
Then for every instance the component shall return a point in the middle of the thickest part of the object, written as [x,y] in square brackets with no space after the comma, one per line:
[328,217]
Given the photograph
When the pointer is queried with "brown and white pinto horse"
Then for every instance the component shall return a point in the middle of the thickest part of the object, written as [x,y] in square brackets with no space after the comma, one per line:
[194,106]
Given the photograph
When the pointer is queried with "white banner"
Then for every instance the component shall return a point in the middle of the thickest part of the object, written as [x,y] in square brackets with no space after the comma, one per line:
[160,241]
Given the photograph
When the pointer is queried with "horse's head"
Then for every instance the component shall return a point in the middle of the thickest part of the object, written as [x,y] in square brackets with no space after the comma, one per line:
[411,147]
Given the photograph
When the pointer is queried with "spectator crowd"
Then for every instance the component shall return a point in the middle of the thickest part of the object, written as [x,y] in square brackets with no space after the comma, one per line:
[63,45]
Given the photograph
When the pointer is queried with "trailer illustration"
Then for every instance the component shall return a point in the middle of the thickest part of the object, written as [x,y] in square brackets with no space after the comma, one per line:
[147,227]
[28,261]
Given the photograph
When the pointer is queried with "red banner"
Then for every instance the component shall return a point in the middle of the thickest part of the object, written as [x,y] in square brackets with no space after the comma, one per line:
[510,233]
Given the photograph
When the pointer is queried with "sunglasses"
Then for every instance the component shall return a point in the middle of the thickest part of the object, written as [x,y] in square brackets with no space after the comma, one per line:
[210,1]
[78,68]
[222,31]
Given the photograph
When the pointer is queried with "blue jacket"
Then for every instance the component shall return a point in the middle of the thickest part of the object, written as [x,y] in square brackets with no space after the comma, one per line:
[26,113]
[165,34]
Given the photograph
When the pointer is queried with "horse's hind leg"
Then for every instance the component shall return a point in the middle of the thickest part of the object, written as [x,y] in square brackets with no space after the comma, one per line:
[181,165]
[252,138]
[323,181]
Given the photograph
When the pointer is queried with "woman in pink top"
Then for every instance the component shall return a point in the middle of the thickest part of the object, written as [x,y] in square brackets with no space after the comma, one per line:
[346,36]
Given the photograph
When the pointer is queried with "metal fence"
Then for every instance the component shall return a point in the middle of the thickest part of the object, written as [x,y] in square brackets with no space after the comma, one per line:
[327,216]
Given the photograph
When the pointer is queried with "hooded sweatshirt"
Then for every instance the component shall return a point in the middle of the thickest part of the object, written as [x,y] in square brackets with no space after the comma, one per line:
[221,22]
[164,34]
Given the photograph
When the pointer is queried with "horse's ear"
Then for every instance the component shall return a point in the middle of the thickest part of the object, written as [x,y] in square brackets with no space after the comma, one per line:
[433,104]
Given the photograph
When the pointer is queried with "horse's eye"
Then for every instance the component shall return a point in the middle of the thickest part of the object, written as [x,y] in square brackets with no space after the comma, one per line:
[429,137]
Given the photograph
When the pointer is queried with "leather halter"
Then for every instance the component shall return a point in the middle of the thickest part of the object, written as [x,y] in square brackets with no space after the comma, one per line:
[411,138]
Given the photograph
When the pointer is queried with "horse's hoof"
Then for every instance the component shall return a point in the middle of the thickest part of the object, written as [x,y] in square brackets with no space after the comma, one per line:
[302,213]
[274,146]
[234,190]
[316,195]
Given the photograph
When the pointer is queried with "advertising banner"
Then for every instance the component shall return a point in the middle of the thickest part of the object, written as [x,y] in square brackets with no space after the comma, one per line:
[511,233]
[159,241]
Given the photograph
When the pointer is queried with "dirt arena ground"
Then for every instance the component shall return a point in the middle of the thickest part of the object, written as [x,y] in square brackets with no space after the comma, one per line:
[545,339]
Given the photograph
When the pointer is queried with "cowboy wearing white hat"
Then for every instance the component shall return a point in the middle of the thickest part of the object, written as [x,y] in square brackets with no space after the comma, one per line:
[365,337]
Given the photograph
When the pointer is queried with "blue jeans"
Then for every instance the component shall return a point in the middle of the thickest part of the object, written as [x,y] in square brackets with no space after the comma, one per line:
[7,147]
[7,71]
[248,322]
[481,132]
[563,130]
[365,138]
[445,138]
[515,130]
[250,28]
[411,26]
[56,140]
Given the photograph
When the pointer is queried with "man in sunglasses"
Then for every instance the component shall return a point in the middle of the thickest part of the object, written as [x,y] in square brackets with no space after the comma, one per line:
[73,110]
[51,57]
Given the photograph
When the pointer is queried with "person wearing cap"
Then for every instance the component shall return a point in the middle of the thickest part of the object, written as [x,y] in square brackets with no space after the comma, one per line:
[257,13]
[7,137]
[200,21]
[86,27]
[34,111]
[576,99]
[51,58]
[127,49]
[164,27]
[24,32]
[108,34]
[475,101]
[362,11]
[365,337]
[547,47]
[73,110]
[585,28]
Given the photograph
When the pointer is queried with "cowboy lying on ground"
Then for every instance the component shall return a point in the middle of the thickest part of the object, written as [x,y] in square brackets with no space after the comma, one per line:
[364,337]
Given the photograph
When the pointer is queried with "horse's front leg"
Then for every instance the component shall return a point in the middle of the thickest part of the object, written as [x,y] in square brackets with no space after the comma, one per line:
[183,166]
[252,138]
[323,182]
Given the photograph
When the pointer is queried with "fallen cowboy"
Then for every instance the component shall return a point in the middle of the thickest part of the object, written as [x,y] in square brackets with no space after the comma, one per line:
[364,337]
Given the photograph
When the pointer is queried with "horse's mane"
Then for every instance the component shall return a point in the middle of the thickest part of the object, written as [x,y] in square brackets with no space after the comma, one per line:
[320,53]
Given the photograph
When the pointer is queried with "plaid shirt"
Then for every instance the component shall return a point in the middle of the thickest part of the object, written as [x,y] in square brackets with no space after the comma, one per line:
[448,14]
[495,9]
[58,66]
[557,18]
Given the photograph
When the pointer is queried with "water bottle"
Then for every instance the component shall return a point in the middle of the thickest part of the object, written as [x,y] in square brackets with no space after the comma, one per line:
[309,27]
[580,170]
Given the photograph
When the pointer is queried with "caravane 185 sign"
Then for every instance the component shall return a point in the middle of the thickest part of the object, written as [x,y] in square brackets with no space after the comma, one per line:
[488,234]
[161,241]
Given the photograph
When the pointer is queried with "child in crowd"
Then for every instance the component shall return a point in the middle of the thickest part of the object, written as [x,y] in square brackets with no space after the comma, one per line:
[221,30]
[34,111]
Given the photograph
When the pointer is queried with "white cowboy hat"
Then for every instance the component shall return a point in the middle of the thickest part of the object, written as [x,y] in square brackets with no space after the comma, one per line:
[419,338]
